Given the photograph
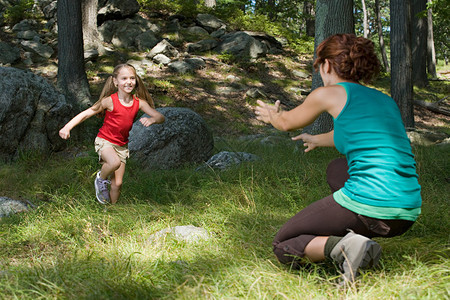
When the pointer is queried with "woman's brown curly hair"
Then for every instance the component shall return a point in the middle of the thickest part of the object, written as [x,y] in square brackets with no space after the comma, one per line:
[353,58]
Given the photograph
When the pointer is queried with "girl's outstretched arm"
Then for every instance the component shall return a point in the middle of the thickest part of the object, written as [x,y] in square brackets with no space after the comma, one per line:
[82,116]
[155,116]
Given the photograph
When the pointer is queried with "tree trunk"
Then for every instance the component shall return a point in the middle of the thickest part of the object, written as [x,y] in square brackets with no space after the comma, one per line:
[308,12]
[365,24]
[271,6]
[91,37]
[332,17]
[72,78]
[401,75]
[431,53]
[210,3]
[380,36]
[419,43]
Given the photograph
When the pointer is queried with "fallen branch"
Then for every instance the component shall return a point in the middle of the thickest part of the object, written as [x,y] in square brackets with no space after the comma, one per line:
[433,107]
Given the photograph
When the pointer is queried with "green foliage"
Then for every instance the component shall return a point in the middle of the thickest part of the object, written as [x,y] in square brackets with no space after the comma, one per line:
[19,11]
[441,27]
[188,8]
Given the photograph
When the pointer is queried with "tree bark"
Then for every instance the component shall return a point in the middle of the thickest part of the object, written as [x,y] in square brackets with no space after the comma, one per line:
[365,24]
[431,53]
[419,43]
[210,3]
[401,62]
[380,36]
[72,79]
[332,17]
[308,12]
[91,37]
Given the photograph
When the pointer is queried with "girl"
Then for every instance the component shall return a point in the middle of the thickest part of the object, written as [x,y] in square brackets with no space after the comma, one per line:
[375,189]
[119,106]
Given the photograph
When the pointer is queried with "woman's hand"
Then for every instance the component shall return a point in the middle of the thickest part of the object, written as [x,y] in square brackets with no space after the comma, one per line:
[309,141]
[266,112]
[313,141]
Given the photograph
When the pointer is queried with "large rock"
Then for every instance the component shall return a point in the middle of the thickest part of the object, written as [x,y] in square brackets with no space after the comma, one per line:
[182,139]
[8,54]
[10,206]
[128,32]
[31,113]
[210,22]
[187,65]
[242,45]
[116,9]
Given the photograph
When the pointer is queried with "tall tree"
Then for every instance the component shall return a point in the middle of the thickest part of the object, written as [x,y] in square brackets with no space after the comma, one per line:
[91,37]
[332,17]
[419,42]
[431,53]
[210,3]
[72,79]
[309,16]
[380,36]
[365,22]
[401,68]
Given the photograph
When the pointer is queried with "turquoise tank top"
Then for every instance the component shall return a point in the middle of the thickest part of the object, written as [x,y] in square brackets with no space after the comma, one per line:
[383,180]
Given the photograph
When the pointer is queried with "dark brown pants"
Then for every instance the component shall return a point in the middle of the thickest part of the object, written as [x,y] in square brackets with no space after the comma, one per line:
[326,217]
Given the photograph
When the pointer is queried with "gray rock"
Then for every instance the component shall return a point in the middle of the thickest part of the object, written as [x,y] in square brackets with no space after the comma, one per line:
[187,234]
[202,46]
[218,33]
[225,159]
[24,25]
[210,22]
[183,138]
[91,54]
[241,44]
[117,9]
[31,113]
[146,41]
[197,30]
[173,26]
[188,65]
[256,93]
[161,59]
[38,48]
[300,74]
[27,34]
[163,47]
[125,35]
[8,54]
[10,206]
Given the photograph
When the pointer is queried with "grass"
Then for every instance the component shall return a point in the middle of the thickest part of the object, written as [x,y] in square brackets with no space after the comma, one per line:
[71,247]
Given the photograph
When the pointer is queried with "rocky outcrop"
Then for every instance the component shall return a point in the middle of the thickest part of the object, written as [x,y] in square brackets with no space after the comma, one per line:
[183,138]
[31,113]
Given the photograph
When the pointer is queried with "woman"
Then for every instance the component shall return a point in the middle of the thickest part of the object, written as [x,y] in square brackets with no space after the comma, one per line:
[375,191]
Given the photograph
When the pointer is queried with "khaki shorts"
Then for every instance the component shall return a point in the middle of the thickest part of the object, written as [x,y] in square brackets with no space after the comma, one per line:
[122,151]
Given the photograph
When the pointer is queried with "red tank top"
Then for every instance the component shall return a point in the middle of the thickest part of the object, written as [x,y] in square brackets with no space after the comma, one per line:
[118,122]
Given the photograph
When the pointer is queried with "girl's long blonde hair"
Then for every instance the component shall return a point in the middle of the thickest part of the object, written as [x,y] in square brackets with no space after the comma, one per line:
[109,88]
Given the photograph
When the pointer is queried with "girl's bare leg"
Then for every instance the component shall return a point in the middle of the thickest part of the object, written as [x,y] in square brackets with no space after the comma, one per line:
[116,183]
[111,162]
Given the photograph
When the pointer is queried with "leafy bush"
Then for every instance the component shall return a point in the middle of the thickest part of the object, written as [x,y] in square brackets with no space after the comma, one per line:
[18,12]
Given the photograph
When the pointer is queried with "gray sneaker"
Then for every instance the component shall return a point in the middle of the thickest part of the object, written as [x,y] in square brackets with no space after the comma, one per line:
[355,252]
[101,189]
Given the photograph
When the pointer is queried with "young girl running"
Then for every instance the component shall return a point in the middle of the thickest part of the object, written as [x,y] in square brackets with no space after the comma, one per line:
[375,189]
[119,106]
